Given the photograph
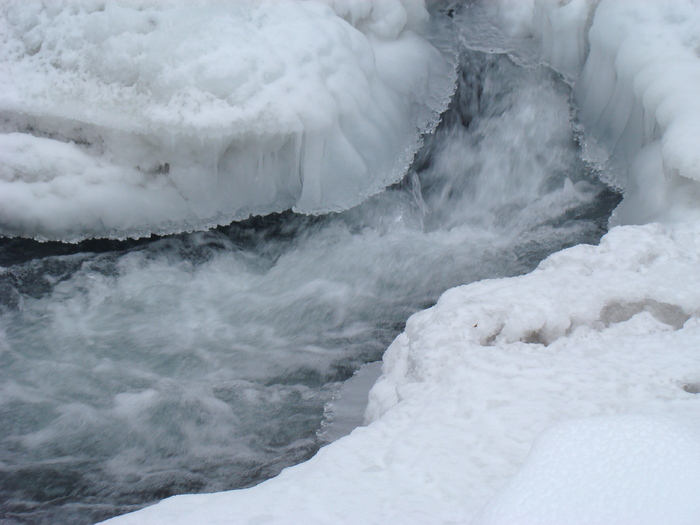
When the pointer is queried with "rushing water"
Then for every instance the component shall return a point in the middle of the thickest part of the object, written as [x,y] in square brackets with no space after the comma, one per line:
[130,371]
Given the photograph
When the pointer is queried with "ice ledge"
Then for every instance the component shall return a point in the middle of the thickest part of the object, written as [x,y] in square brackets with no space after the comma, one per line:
[126,118]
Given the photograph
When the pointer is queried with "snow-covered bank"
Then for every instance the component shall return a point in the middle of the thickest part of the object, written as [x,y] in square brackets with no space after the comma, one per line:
[122,119]
[594,331]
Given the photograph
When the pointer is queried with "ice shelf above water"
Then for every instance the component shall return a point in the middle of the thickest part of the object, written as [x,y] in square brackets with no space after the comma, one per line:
[126,118]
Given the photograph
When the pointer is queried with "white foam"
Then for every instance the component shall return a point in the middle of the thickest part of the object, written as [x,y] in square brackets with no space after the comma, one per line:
[145,117]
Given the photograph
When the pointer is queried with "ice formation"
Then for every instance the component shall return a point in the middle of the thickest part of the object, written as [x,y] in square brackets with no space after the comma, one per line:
[635,68]
[635,71]
[126,118]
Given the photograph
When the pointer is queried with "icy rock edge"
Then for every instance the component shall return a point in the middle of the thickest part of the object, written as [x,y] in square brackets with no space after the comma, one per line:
[635,71]
[129,118]
[595,352]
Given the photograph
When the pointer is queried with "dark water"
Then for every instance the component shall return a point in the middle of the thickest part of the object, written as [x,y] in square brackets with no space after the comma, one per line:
[131,371]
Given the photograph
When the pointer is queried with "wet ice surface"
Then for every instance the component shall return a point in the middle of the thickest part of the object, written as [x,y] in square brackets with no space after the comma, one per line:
[123,119]
[202,362]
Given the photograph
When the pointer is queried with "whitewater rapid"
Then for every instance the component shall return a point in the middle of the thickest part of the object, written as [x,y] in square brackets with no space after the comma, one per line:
[201,362]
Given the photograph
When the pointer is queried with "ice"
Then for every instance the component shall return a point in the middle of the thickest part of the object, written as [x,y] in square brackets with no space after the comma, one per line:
[345,411]
[122,119]
[635,72]
[635,68]
[637,89]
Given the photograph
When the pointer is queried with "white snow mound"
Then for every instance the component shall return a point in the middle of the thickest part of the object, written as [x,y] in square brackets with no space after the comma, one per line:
[130,117]
[649,466]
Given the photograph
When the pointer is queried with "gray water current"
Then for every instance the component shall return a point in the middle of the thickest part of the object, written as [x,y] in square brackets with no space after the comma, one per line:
[131,371]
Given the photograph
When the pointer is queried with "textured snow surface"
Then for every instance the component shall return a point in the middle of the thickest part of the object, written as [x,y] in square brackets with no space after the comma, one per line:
[607,330]
[125,118]
[650,465]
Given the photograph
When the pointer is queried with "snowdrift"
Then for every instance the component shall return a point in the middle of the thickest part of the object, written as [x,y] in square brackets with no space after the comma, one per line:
[635,69]
[126,118]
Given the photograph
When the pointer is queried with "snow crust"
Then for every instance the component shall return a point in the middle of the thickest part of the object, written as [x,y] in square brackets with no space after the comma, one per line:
[649,464]
[126,118]
[595,352]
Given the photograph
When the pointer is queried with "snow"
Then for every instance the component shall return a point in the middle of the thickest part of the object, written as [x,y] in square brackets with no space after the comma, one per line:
[126,118]
[568,395]
[649,466]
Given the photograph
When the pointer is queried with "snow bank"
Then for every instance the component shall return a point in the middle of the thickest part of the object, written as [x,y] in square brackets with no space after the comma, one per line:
[125,118]
[649,466]
[594,331]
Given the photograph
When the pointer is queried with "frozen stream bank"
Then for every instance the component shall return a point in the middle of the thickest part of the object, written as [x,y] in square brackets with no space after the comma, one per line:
[203,362]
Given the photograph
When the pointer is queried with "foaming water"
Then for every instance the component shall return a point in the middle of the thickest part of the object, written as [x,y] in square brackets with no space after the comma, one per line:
[202,362]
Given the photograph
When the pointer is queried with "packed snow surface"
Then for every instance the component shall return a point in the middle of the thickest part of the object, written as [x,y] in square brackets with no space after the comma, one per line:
[649,464]
[126,118]
[595,352]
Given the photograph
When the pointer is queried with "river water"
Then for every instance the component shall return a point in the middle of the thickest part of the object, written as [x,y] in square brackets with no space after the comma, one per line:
[131,371]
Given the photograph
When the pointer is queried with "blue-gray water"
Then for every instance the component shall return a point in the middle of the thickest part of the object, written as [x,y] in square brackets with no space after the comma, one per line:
[130,371]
